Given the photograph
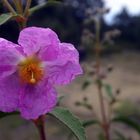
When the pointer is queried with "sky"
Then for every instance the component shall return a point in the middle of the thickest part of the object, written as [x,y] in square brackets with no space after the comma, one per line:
[133,7]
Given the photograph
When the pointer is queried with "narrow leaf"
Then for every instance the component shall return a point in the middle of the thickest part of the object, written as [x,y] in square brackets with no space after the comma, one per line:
[73,123]
[85,84]
[5,17]
[59,100]
[128,121]
[120,136]
[89,122]
[108,89]
[3,114]
[45,4]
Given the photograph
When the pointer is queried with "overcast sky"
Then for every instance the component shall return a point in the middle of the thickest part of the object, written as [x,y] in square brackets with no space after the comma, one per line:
[116,6]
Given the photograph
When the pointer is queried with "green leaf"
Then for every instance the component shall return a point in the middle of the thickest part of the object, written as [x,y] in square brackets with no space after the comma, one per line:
[127,121]
[120,136]
[127,108]
[59,100]
[85,84]
[89,122]
[3,114]
[45,4]
[5,17]
[73,123]
[108,89]
[101,136]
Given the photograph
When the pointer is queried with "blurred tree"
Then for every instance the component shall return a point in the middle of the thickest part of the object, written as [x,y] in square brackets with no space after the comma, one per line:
[123,17]
[66,19]
[82,5]
[130,27]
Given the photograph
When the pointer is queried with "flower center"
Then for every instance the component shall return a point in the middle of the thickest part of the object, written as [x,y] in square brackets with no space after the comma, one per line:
[30,70]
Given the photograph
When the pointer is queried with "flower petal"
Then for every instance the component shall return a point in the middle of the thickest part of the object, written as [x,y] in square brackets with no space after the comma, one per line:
[65,67]
[41,41]
[9,57]
[37,100]
[9,93]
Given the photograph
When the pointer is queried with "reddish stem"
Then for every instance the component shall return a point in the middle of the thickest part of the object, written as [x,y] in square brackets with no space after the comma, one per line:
[105,123]
[40,124]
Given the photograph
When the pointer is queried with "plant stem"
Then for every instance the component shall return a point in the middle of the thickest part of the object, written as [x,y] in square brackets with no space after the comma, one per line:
[40,124]
[105,124]
[28,4]
[18,5]
[42,133]
[10,8]
[22,24]
[22,21]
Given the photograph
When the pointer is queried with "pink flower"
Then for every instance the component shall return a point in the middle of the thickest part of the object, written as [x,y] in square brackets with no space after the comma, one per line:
[29,71]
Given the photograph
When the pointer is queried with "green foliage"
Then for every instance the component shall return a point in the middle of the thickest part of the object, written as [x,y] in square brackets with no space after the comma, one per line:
[73,123]
[84,104]
[101,136]
[120,136]
[127,121]
[109,91]
[3,114]
[5,17]
[67,118]
[127,108]
[38,7]
[85,123]
[85,84]
[88,123]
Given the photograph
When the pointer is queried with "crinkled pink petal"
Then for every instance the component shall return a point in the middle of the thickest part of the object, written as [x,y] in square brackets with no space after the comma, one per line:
[9,93]
[9,57]
[37,100]
[41,41]
[60,62]
[65,67]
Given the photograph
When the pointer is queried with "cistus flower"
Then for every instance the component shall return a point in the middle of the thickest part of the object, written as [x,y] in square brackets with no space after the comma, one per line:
[29,71]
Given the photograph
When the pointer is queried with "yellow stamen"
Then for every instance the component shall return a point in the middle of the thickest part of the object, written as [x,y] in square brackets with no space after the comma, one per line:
[30,70]
[33,80]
